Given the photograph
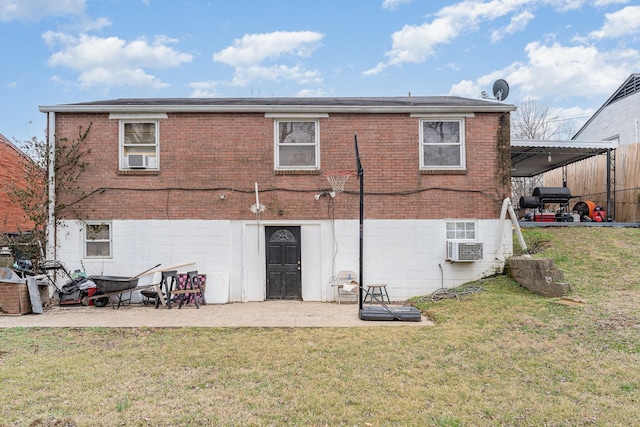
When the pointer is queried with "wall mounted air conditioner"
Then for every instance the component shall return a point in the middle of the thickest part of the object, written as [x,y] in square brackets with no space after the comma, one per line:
[137,161]
[463,251]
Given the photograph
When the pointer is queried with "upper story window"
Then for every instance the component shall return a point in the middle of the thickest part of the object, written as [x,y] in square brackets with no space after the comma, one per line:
[442,144]
[297,144]
[139,141]
[97,240]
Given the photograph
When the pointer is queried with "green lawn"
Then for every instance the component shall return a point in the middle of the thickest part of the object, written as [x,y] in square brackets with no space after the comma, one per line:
[500,357]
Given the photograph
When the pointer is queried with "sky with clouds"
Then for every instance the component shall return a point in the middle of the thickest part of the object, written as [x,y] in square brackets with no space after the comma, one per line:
[569,55]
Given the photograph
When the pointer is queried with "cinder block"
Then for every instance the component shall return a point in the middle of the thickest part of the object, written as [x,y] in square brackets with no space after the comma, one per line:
[539,275]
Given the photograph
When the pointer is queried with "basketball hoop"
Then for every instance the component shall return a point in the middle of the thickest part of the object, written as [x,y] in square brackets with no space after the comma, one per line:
[338,178]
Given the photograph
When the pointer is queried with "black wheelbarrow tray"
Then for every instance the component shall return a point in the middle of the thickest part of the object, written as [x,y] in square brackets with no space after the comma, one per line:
[113,285]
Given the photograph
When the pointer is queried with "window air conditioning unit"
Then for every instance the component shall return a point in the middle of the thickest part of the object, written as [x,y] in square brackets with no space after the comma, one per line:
[464,251]
[137,161]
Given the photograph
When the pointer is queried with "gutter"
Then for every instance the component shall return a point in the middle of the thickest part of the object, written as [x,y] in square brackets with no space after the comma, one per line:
[362,109]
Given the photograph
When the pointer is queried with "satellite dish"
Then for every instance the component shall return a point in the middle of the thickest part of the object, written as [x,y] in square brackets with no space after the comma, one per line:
[500,90]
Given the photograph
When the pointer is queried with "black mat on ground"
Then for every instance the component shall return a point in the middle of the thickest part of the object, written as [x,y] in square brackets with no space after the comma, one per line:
[379,312]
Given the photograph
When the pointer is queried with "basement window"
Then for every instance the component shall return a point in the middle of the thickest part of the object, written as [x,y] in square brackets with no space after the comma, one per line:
[97,240]
[461,230]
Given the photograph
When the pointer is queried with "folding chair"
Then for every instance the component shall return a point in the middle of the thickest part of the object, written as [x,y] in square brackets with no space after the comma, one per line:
[346,277]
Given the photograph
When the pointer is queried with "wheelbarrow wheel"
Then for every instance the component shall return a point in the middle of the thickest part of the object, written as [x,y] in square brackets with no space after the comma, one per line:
[100,302]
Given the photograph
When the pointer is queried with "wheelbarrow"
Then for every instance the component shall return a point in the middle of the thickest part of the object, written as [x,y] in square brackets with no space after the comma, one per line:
[112,285]
[115,286]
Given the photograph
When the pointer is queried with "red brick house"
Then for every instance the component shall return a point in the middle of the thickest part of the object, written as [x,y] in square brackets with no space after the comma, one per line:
[12,173]
[175,180]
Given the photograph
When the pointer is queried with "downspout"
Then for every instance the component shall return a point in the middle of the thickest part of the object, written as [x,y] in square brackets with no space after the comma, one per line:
[608,181]
[503,216]
[507,207]
[51,193]
[516,227]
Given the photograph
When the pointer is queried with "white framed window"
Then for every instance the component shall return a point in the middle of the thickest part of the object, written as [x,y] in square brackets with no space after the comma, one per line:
[297,144]
[97,240]
[461,230]
[442,144]
[139,140]
[139,144]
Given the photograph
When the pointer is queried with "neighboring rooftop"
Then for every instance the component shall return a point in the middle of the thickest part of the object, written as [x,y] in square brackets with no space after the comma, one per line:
[630,87]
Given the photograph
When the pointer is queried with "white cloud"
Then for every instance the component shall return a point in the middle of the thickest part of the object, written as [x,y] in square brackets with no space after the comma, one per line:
[416,43]
[94,25]
[518,23]
[65,85]
[253,57]
[564,71]
[566,5]
[392,4]
[603,3]
[466,89]
[559,72]
[617,24]
[255,48]
[569,120]
[113,61]
[375,70]
[206,89]
[33,10]
[311,93]
[245,75]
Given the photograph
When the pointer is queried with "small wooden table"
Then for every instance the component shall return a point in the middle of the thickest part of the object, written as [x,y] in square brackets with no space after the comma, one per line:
[377,292]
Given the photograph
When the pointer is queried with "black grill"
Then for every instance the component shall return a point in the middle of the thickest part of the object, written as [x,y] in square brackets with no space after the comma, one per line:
[552,194]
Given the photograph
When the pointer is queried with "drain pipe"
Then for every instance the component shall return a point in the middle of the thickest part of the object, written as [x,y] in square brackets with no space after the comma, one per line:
[51,233]
[516,226]
[507,207]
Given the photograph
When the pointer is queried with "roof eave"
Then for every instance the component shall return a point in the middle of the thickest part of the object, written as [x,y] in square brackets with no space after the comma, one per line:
[612,144]
[69,108]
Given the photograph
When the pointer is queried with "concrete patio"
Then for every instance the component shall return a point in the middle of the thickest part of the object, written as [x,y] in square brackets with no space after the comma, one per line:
[275,314]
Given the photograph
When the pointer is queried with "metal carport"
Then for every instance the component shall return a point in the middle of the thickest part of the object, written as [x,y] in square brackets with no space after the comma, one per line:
[534,157]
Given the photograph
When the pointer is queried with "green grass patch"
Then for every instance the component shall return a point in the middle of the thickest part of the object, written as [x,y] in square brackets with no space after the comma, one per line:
[502,356]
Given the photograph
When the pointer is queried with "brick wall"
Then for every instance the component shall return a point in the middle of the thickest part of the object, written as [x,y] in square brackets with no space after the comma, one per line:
[205,155]
[12,217]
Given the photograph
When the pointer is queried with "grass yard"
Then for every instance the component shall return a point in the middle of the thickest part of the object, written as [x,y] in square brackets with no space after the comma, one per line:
[500,357]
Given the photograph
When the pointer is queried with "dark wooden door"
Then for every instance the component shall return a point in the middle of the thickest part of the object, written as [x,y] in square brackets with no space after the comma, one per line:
[283,263]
